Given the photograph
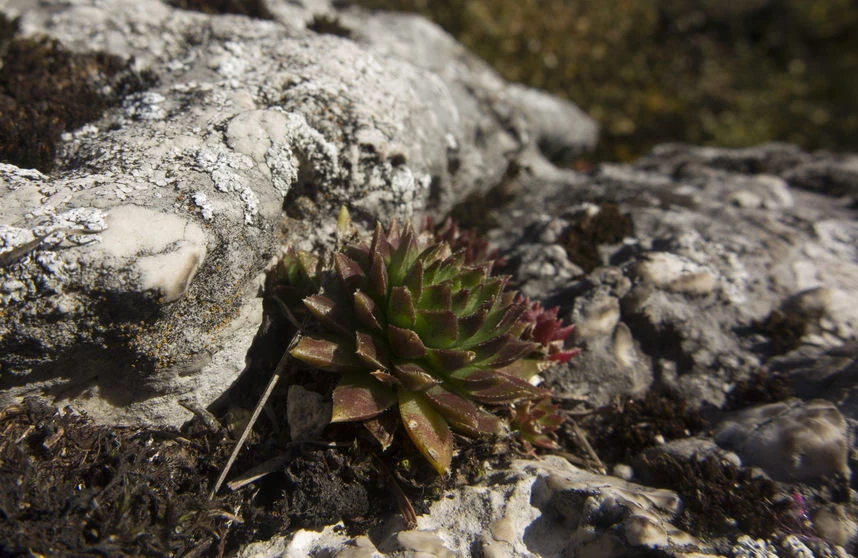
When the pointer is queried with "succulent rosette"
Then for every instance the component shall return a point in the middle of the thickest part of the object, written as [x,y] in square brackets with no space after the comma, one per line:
[416,328]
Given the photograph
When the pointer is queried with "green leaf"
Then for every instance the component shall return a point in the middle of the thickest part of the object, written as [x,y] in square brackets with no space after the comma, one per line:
[414,280]
[368,312]
[400,308]
[379,244]
[328,353]
[470,325]
[405,343]
[460,301]
[359,397]
[402,258]
[502,350]
[474,276]
[508,389]
[446,361]
[377,284]
[462,415]
[437,328]
[344,223]
[483,294]
[436,297]
[427,429]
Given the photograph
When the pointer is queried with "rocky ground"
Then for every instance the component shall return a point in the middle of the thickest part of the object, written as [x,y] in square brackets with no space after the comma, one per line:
[711,411]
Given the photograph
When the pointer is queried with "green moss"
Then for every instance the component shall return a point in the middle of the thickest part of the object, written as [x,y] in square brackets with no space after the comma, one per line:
[718,73]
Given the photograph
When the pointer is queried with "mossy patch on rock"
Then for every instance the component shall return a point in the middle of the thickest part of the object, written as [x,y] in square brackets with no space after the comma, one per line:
[608,225]
[250,8]
[46,90]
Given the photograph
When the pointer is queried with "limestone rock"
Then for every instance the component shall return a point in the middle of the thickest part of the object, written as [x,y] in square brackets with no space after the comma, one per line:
[545,507]
[129,277]
[699,272]
[791,440]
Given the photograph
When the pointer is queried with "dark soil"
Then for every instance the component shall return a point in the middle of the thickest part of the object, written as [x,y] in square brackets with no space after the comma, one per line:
[582,239]
[622,432]
[784,331]
[250,8]
[46,90]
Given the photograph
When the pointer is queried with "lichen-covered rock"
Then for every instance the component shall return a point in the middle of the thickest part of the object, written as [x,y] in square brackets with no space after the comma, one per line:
[719,261]
[129,276]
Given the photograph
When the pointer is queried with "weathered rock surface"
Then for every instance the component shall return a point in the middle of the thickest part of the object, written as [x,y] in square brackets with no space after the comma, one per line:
[725,260]
[129,275]
[544,507]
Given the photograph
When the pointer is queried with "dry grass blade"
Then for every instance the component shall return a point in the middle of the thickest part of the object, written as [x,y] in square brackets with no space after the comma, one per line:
[278,372]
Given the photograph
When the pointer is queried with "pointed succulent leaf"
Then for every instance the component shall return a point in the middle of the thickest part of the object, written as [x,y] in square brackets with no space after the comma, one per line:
[414,280]
[377,279]
[430,271]
[349,272]
[484,293]
[511,351]
[308,262]
[335,317]
[400,309]
[402,258]
[460,301]
[414,377]
[367,312]
[472,378]
[437,328]
[469,325]
[379,244]
[327,353]
[563,356]
[369,350]
[435,254]
[489,348]
[359,396]
[461,414]
[446,361]
[451,267]
[405,343]
[344,223]
[474,277]
[393,234]
[509,389]
[437,297]
[359,253]
[427,429]
[385,378]
[525,368]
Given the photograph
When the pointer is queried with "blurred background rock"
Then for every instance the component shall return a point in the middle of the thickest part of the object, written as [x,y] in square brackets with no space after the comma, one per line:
[712,72]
